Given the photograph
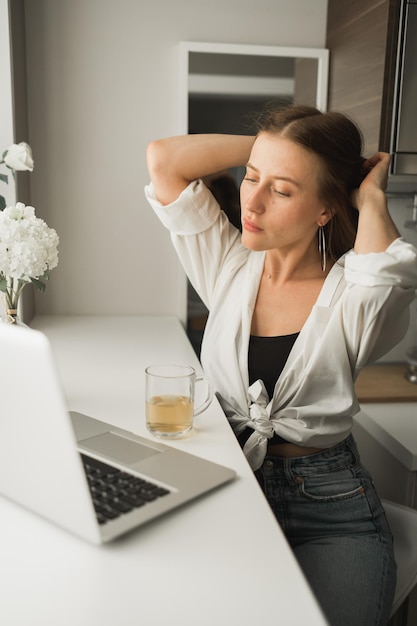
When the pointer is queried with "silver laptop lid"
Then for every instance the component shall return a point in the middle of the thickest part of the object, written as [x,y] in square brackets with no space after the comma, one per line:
[40,467]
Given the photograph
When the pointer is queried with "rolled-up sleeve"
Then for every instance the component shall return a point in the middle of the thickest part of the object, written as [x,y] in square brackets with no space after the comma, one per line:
[397,265]
[381,286]
[202,235]
[178,217]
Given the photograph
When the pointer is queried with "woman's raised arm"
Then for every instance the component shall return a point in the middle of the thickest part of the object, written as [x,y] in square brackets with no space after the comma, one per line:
[376,229]
[174,162]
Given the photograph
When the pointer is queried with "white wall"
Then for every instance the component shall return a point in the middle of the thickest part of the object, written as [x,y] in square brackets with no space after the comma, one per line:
[102,83]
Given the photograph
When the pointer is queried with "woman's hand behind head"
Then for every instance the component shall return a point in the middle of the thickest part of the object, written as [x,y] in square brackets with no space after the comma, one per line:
[375,179]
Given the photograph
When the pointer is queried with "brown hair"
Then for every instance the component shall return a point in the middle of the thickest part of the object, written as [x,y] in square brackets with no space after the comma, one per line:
[337,141]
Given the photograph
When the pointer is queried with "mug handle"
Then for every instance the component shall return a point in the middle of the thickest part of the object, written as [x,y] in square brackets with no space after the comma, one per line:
[209,395]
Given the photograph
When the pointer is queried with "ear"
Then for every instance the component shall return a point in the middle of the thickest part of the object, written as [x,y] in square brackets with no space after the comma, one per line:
[325,216]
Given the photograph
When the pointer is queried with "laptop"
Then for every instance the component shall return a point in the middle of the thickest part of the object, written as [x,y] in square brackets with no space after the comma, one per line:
[88,477]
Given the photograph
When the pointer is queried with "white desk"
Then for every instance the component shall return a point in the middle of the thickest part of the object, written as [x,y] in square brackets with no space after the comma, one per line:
[219,560]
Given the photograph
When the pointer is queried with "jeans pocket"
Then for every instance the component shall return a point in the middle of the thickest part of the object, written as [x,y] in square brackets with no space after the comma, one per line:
[330,488]
[339,505]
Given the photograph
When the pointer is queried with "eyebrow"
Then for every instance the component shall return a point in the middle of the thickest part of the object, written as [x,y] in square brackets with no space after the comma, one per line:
[286,178]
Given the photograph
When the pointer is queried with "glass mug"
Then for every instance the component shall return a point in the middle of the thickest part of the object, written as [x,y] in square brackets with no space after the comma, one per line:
[170,409]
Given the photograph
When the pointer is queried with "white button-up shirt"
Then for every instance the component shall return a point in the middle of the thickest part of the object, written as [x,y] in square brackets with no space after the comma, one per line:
[362,311]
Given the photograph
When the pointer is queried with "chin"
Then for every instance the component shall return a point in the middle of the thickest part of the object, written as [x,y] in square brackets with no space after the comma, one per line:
[250,244]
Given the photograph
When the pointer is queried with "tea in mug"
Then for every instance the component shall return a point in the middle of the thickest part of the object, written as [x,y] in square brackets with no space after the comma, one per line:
[169,414]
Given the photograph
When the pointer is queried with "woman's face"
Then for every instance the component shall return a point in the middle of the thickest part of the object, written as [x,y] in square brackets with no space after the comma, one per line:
[279,195]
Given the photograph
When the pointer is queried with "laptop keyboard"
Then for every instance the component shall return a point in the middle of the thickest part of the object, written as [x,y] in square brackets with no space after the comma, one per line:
[115,492]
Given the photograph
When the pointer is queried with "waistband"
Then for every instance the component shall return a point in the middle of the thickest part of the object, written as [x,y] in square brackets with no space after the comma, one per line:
[337,457]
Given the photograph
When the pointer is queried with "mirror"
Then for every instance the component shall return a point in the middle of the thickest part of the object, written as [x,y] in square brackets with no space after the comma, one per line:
[221,85]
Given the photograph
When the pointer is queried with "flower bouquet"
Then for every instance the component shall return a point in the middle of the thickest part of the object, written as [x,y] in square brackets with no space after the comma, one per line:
[28,247]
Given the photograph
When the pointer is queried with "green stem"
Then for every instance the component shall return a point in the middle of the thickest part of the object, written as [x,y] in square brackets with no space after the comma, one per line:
[21,285]
[12,294]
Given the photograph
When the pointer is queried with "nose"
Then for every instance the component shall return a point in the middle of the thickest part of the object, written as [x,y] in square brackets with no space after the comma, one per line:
[252,200]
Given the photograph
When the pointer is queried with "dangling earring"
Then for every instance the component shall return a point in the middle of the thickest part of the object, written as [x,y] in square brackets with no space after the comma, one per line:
[322,247]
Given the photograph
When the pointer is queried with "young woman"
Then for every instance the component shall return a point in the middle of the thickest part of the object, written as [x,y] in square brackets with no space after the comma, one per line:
[311,291]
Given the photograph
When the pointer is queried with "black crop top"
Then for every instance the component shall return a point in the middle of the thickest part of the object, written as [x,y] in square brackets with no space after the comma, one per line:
[266,359]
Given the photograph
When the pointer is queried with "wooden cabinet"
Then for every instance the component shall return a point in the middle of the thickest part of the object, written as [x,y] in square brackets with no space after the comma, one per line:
[362,39]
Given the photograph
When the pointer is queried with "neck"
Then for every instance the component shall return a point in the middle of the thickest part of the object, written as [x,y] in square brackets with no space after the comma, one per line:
[280,267]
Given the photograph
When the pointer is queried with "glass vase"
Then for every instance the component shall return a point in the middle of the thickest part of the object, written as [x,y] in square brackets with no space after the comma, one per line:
[10,315]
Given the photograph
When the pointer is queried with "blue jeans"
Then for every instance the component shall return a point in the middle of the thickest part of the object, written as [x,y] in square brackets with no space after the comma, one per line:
[328,508]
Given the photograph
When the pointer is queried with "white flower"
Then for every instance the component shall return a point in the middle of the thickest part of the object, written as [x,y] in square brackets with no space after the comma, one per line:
[28,247]
[20,211]
[19,157]
[16,157]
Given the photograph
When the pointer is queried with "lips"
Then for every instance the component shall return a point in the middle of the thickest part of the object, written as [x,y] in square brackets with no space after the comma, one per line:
[251,227]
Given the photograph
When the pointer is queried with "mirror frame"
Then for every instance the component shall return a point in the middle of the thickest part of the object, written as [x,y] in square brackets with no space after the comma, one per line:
[187,47]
